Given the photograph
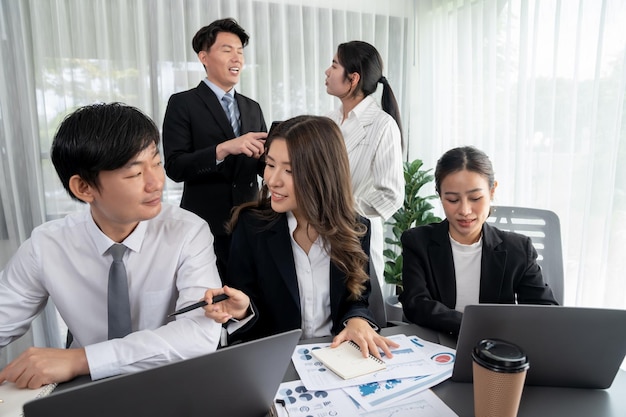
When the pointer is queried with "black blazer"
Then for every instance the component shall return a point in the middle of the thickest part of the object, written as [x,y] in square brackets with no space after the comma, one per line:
[194,124]
[261,264]
[509,271]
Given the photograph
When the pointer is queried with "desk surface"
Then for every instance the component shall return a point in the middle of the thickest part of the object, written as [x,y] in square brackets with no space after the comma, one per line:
[536,401]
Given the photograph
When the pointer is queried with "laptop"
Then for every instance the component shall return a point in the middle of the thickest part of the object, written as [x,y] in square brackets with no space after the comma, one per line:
[235,381]
[566,346]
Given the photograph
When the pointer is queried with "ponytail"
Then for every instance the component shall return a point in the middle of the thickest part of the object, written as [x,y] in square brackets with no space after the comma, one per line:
[389,104]
[364,59]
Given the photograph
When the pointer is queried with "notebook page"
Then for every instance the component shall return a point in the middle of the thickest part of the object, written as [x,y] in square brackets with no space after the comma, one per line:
[13,398]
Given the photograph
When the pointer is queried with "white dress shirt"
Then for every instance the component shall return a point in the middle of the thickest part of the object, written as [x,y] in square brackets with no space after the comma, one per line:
[372,139]
[467,270]
[313,272]
[219,93]
[170,264]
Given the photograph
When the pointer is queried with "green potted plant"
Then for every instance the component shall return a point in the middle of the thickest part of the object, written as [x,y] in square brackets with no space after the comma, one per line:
[415,211]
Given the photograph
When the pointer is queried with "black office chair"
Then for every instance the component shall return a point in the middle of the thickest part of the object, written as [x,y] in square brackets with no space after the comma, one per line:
[377,304]
[544,229]
[376,301]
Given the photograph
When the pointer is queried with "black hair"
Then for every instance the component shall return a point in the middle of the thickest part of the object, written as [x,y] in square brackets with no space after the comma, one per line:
[364,59]
[463,158]
[100,137]
[204,39]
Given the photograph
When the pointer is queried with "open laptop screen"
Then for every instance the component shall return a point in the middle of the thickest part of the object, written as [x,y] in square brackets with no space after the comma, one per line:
[236,381]
[566,346]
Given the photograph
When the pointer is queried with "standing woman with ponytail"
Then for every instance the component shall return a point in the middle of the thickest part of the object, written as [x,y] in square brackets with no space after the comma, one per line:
[372,136]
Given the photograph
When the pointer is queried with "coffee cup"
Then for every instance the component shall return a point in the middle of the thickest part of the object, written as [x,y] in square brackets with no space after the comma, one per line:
[499,371]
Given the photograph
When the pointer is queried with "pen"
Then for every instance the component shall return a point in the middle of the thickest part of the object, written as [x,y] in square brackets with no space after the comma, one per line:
[216,299]
[282,404]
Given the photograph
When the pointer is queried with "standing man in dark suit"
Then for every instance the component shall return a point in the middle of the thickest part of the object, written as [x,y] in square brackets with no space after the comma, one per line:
[212,142]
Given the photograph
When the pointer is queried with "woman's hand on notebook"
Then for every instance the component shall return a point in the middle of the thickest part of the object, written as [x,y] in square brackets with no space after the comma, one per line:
[361,332]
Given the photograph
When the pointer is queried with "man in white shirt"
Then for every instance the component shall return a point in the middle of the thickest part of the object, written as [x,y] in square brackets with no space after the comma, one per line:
[107,156]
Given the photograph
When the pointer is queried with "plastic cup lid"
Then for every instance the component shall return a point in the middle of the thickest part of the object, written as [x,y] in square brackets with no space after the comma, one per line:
[500,356]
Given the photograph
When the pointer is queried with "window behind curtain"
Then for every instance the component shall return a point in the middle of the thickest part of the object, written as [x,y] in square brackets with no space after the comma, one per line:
[58,55]
[140,53]
[540,86]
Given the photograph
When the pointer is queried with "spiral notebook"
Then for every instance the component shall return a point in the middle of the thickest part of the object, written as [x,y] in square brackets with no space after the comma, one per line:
[347,361]
[12,398]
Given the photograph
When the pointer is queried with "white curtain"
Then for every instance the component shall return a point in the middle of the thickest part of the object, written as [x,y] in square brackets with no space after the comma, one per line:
[539,85]
[58,55]
[139,52]
[21,202]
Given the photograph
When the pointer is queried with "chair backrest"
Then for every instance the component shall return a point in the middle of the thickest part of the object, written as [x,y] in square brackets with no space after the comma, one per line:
[544,229]
[376,300]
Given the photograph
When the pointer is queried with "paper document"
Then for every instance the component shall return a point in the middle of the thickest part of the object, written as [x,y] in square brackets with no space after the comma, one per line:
[382,394]
[296,401]
[12,398]
[413,358]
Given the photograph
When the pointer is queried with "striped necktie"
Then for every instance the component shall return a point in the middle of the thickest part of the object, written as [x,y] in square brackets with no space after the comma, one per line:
[230,112]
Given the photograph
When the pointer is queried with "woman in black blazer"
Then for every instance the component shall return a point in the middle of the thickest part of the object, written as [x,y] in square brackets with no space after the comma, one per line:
[463,260]
[300,254]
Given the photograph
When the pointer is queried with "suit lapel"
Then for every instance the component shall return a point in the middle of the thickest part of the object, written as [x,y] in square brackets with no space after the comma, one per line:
[492,266]
[440,256]
[209,98]
[365,118]
[279,244]
[352,139]
[245,111]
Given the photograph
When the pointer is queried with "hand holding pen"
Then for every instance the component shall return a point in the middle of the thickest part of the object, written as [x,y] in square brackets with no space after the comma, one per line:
[236,306]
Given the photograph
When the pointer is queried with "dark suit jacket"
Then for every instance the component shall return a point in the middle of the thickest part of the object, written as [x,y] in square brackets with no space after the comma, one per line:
[194,124]
[261,264]
[509,272]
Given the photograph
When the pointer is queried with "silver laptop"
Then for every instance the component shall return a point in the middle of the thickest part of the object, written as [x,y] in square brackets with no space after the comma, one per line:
[566,346]
[235,381]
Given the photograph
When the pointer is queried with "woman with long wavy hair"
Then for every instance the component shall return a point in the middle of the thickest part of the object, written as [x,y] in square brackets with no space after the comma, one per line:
[300,254]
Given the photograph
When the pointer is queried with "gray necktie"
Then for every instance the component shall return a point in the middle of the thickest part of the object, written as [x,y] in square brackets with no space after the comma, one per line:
[118,300]
[230,112]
